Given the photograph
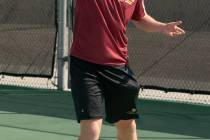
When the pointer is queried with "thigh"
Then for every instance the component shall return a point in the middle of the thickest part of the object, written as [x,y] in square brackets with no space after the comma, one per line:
[86,90]
[121,91]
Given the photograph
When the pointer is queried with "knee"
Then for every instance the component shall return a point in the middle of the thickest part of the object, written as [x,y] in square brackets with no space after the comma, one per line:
[126,124]
[90,129]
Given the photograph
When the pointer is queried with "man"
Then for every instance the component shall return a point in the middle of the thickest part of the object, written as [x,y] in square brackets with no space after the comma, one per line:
[103,86]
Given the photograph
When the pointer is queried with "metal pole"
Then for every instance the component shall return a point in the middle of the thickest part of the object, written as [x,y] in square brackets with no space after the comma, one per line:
[62,51]
[70,22]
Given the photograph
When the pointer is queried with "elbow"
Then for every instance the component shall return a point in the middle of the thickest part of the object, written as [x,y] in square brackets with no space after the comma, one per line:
[138,24]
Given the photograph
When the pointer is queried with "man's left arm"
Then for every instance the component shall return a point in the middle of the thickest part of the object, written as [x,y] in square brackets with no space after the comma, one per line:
[149,24]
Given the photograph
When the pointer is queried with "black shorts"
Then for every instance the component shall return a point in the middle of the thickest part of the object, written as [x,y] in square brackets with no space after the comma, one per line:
[103,91]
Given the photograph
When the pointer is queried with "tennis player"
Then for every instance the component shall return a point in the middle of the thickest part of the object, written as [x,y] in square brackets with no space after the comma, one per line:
[103,85]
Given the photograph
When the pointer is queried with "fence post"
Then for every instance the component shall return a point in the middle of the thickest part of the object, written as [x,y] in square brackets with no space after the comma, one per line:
[62,51]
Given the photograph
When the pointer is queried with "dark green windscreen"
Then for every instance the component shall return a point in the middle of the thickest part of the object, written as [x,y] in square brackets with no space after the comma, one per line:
[27,37]
[178,64]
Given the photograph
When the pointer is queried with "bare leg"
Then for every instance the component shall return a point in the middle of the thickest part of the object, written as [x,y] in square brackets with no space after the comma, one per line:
[126,130]
[90,129]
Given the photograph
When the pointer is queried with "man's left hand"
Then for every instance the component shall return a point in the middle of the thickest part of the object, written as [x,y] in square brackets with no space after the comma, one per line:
[171,29]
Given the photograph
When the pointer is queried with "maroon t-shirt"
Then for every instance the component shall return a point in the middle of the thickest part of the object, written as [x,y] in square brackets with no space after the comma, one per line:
[100,30]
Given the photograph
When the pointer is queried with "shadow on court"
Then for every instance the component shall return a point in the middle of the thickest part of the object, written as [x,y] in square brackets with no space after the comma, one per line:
[173,118]
[40,102]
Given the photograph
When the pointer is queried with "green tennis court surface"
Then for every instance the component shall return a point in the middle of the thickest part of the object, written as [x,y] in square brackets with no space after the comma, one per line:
[31,114]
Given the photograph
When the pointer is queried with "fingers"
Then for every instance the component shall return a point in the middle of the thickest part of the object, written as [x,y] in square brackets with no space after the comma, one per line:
[177,23]
[180,30]
[174,30]
[176,33]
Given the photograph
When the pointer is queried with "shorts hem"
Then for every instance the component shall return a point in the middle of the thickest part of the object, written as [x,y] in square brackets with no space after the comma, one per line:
[89,118]
[135,117]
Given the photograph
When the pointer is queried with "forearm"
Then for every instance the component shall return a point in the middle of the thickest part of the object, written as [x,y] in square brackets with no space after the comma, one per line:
[149,24]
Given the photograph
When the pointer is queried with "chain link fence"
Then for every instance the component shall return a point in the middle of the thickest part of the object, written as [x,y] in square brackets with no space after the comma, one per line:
[27,37]
[27,42]
[174,65]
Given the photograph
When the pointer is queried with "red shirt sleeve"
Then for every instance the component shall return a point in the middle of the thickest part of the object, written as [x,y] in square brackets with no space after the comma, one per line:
[139,10]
